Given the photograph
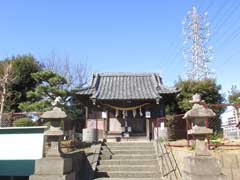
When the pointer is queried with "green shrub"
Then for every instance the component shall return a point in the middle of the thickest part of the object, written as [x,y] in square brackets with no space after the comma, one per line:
[193,146]
[21,122]
[216,136]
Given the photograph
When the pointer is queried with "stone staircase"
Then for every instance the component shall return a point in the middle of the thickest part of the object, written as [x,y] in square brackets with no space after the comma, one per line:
[128,160]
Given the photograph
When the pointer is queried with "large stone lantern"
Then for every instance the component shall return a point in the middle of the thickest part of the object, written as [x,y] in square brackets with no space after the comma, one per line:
[201,165]
[54,133]
[197,116]
[54,166]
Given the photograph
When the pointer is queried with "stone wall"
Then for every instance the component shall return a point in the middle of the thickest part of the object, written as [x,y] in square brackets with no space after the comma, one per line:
[79,164]
[85,163]
[229,161]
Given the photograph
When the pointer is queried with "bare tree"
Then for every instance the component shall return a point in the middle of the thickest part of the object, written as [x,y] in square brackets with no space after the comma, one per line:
[75,73]
[5,78]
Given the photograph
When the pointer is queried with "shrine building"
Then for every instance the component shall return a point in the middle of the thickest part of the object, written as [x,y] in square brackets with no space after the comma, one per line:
[124,105]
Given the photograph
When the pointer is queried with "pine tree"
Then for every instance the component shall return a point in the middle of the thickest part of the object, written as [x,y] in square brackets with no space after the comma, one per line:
[50,86]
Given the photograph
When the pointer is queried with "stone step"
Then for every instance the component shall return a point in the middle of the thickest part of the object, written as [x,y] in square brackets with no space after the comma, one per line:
[128,156]
[107,168]
[136,144]
[103,178]
[128,147]
[126,140]
[128,174]
[129,151]
[129,162]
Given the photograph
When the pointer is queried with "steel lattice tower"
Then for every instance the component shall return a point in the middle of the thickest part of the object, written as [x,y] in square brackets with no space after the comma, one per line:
[196,30]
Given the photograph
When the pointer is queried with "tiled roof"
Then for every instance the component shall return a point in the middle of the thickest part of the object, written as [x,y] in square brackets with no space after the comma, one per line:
[122,86]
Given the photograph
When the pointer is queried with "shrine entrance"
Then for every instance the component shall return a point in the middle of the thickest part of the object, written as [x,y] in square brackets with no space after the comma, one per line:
[138,125]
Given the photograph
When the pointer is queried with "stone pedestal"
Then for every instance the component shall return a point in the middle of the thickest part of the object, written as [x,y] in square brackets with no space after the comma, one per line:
[56,168]
[202,168]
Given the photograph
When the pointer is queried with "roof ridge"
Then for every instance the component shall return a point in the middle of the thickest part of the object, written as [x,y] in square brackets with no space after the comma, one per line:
[127,73]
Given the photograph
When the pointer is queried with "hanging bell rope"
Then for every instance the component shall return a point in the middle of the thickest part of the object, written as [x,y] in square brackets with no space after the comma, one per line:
[126,108]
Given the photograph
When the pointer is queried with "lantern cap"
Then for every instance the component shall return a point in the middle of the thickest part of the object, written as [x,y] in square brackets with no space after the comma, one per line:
[199,111]
[56,113]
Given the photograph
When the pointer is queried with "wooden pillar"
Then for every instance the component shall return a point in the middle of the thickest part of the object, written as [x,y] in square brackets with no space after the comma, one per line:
[86,116]
[147,128]
[105,125]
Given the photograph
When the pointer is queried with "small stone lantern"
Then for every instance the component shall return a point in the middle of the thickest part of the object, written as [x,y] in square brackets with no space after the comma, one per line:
[54,134]
[198,115]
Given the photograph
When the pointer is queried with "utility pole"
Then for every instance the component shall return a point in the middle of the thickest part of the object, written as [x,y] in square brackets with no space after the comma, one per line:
[198,55]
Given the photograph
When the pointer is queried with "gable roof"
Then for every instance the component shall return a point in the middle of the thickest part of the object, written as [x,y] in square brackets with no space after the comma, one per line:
[126,86]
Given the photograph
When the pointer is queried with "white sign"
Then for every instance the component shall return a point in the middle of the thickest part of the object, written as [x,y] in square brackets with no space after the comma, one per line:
[148,114]
[129,129]
[104,115]
[19,146]
[162,126]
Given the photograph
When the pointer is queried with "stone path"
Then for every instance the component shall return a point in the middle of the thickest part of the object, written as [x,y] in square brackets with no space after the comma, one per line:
[128,161]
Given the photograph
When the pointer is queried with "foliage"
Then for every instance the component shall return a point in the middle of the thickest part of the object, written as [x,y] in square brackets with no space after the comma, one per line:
[48,124]
[49,86]
[74,112]
[234,97]
[210,93]
[23,66]
[21,122]
[216,136]
[170,120]
[193,147]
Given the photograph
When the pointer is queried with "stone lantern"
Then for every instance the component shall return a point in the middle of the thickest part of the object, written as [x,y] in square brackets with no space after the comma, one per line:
[54,165]
[201,165]
[54,134]
[197,115]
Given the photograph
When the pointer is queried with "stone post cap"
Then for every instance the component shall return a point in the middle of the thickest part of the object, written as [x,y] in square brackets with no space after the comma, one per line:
[196,98]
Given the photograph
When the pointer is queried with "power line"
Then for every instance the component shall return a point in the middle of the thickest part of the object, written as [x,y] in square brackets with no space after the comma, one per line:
[227,15]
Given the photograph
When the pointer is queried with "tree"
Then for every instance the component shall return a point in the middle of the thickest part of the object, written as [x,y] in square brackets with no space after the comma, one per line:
[50,85]
[17,88]
[76,74]
[210,92]
[234,97]
[6,77]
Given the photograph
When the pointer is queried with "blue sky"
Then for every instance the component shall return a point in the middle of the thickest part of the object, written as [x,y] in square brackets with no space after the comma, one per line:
[120,35]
